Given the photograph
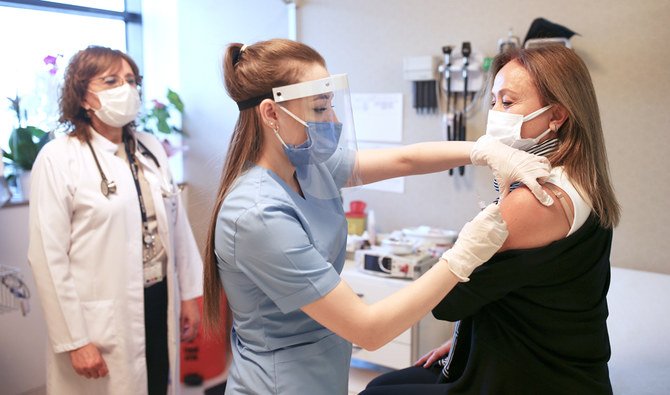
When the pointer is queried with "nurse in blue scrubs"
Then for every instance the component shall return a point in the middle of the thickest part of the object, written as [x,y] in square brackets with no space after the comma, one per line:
[277,238]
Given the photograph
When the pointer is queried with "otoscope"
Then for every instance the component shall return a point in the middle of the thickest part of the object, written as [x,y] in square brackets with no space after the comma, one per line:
[466,51]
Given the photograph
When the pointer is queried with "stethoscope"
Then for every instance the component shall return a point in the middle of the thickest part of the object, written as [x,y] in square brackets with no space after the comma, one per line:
[108,187]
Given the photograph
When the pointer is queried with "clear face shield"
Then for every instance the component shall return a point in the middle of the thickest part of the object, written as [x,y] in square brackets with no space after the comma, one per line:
[318,135]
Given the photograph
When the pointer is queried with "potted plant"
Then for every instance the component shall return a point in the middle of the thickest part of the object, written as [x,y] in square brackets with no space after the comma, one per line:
[161,116]
[164,119]
[25,142]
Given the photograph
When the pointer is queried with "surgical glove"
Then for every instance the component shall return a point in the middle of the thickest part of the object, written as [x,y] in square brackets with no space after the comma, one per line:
[477,242]
[509,165]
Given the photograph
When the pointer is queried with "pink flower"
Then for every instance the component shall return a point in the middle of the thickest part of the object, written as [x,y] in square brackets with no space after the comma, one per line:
[158,104]
[51,60]
[170,149]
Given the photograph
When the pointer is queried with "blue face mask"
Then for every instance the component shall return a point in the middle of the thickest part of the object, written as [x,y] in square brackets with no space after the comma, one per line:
[321,143]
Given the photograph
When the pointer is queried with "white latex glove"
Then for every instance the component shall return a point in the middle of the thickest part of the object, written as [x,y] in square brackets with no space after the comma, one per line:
[477,242]
[509,165]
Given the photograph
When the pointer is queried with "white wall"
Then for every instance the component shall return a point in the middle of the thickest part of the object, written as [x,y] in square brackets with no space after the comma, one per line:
[161,63]
[207,27]
[22,339]
[624,44]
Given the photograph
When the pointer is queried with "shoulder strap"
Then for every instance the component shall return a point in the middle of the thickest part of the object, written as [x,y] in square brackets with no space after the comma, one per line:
[561,198]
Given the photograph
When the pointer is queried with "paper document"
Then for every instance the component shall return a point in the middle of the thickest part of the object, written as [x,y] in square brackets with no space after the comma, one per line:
[378,116]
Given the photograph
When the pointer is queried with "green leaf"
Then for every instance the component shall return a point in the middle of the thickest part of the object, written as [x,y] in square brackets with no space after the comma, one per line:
[37,132]
[175,100]
[161,113]
[7,155]
[23,148]
[25,143]
[163,126]
[42,141]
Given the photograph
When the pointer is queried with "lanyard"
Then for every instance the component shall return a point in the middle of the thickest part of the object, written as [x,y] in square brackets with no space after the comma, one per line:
[147,237]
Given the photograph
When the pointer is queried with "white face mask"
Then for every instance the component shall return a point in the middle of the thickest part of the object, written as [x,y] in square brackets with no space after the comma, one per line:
[506,128]
[118,106]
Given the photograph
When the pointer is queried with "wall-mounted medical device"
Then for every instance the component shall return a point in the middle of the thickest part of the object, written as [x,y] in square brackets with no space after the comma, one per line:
[422,71]
[14,293]
[438,83]
[462,68]
[462,80]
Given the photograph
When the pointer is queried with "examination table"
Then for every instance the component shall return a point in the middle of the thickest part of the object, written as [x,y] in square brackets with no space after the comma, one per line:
[639,328]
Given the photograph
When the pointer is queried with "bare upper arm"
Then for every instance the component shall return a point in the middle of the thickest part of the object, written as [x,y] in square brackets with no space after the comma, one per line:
[530,223]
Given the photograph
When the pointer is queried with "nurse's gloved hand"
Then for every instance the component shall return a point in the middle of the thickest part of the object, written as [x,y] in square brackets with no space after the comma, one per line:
[432,356]
[510,164]
[477,242]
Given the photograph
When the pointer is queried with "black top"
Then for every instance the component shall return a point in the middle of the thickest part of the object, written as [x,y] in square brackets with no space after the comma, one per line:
[534,321]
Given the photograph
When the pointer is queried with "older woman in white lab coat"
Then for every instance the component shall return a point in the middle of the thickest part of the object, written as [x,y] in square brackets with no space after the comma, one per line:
[91,217]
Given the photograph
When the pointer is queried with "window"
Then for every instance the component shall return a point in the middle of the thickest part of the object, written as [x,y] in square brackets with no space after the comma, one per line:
[38,39]
[110,5]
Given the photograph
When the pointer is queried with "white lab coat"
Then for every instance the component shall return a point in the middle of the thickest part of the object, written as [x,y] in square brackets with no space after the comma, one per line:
[85,253]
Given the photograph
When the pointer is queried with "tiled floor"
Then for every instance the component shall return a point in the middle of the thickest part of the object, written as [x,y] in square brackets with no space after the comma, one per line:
[360,375]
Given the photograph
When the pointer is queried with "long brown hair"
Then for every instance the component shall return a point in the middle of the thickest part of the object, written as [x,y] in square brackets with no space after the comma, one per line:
[561,77]
[83,66]
[248,73]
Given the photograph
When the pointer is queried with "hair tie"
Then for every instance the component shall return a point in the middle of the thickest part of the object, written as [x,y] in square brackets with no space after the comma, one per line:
[237,52]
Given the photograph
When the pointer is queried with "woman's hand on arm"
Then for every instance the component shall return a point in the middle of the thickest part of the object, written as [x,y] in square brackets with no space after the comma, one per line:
[88,362]
[421,158]
[433,355]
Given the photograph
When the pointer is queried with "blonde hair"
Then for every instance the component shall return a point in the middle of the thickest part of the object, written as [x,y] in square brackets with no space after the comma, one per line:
[562,78]
[249,72]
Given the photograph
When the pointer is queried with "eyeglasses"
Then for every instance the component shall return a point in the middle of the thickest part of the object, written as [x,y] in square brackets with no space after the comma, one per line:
[113,81]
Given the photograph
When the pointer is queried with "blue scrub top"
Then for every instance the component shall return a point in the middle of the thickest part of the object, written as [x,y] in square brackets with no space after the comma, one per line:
[278,252]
